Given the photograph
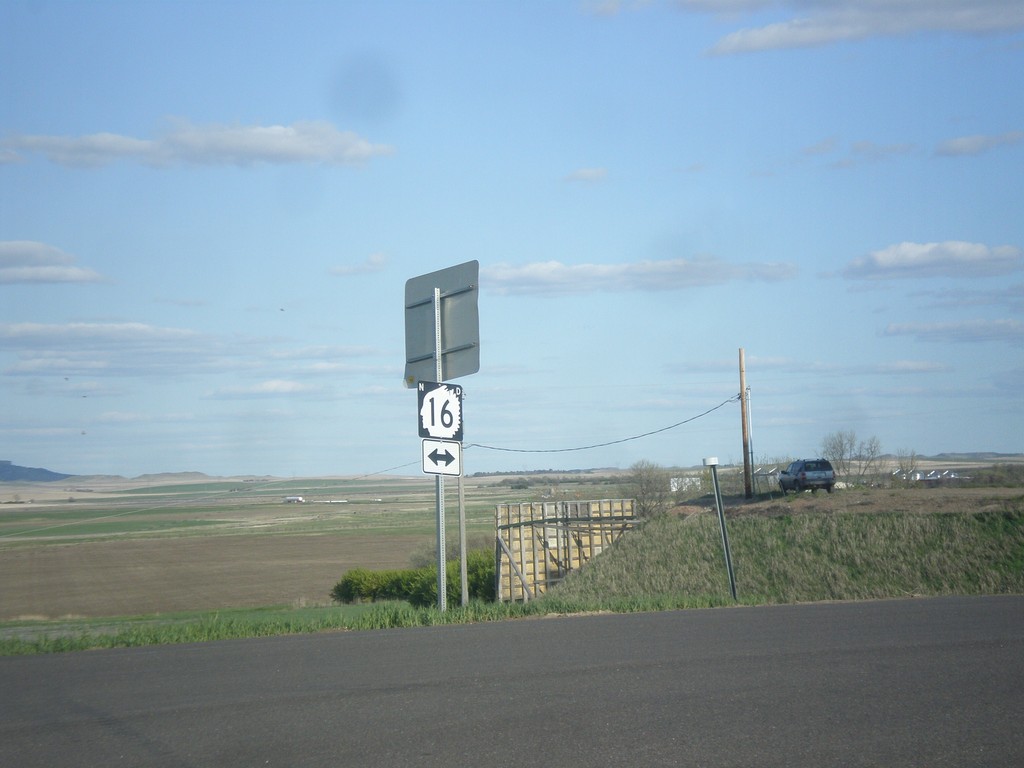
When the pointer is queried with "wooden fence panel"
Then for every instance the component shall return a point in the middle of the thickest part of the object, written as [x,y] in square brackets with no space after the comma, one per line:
[539,543]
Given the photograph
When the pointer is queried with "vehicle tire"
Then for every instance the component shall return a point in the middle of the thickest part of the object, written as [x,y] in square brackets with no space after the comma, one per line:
[828,489]
[813,491]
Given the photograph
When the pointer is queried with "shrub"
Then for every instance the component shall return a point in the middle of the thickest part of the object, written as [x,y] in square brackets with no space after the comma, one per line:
[999,475]
[363,585]
[353,587]
[480,574]
[418,585]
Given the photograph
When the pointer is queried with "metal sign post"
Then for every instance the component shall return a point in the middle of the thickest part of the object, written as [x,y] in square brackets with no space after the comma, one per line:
[448,346]
[442,555]
[713,463]
[462,545]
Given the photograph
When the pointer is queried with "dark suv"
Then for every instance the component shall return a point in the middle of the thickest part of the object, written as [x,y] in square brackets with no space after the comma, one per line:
[807,473]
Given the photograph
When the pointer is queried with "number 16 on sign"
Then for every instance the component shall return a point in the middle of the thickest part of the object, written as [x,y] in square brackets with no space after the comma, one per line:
[440,410]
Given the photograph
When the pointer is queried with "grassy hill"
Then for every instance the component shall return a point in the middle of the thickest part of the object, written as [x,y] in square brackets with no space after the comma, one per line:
[789,555]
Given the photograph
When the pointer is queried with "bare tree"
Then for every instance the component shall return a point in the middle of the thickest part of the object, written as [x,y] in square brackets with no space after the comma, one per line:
[838,448]
[867,457]
[851,459]
[906,462]
[650,487]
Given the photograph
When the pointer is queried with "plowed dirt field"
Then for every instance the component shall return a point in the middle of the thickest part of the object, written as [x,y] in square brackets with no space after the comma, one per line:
[134,577]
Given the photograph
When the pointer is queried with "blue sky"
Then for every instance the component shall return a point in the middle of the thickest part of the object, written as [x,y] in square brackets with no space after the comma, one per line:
[209,210]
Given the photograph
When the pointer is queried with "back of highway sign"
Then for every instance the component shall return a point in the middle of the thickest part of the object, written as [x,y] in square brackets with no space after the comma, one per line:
[460,324]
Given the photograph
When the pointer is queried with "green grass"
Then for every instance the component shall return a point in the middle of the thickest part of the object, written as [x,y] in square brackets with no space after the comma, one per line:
[809,557]
[45,636]
[23,638]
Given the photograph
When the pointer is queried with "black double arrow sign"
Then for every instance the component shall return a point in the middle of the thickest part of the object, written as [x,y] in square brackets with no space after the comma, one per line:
[437,457]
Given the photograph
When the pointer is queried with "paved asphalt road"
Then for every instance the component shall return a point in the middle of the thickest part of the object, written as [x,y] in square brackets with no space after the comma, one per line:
[936,682]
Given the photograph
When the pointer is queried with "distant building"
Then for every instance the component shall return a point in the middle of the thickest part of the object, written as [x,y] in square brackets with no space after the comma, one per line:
[687,483]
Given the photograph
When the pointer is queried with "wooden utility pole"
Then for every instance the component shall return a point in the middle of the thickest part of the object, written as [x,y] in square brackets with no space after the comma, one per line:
[748,471]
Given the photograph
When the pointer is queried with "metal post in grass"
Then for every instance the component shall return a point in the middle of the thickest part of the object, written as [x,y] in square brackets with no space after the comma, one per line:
[712,462]
[462,544]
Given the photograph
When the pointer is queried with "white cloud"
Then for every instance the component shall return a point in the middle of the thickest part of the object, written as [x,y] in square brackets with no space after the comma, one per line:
[41,363]
[376,262]
[588,175]
[108,349]
[793,365]
[975,145]
[86,351]
[859,152]
[271,388]
[132,417]
[104,334]
[554,277]
[909,367]
[186,144]
[27,261]
[614,7]
[823,147]
[86,151]
[869,151]
[1010,331]
[724,7]
[1010,296]
[948,259]
[811,23]
[320,352]
[9,157]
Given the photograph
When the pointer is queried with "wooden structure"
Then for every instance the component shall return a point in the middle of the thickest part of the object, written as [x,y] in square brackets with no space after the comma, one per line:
[538,543]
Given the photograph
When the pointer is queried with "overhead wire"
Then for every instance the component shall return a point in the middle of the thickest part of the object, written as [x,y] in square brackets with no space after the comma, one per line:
[722,404]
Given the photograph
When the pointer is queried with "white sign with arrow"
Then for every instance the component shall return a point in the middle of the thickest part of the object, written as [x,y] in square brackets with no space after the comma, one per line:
[442,457]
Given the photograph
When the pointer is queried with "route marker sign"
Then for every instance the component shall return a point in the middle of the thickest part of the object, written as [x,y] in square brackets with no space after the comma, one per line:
[442,457]
[440,410]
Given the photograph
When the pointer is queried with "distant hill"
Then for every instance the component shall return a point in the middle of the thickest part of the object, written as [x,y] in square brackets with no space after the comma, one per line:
[12,472]
[980,456]
[168,476]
